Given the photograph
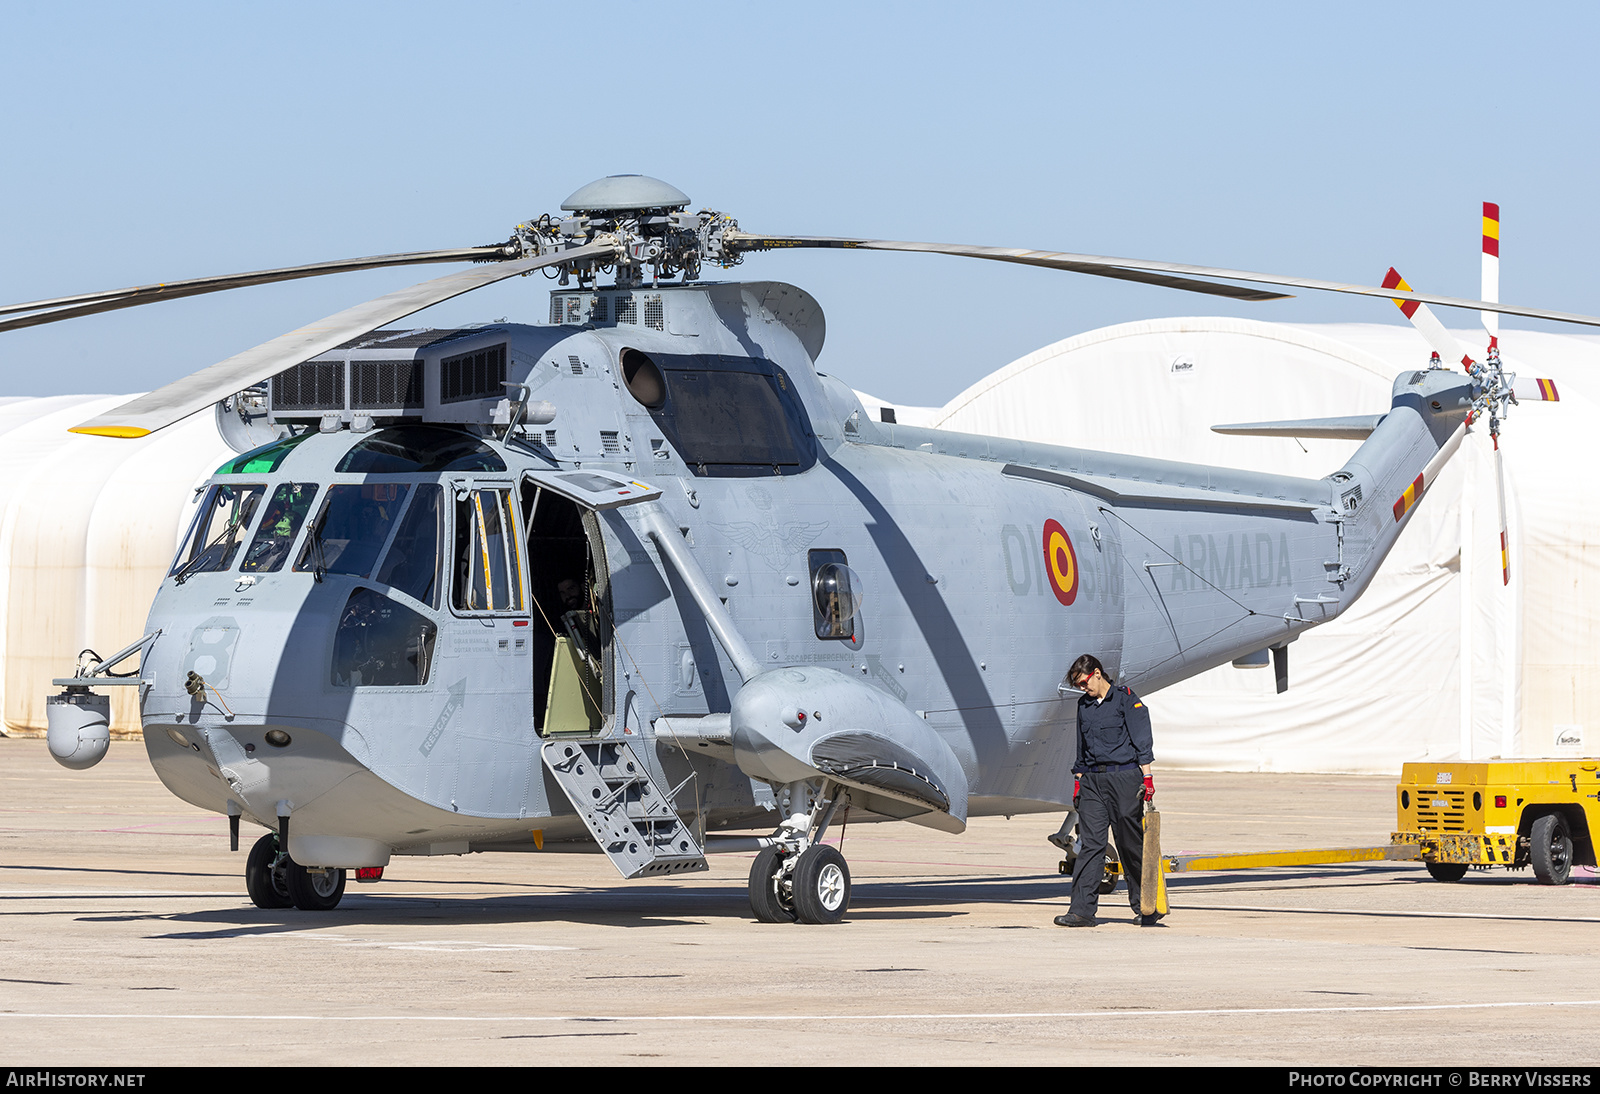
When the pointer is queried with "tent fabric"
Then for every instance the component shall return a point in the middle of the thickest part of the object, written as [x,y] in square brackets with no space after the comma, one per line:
[88,528]
[1438,660]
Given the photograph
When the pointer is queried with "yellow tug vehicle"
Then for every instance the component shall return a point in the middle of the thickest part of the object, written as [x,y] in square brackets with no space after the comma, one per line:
[1510,813]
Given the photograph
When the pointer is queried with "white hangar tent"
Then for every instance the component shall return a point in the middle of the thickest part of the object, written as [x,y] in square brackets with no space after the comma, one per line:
[88,527]
[1438,660]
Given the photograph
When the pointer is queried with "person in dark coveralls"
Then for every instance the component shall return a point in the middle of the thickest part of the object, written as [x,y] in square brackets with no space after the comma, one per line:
[1111,783]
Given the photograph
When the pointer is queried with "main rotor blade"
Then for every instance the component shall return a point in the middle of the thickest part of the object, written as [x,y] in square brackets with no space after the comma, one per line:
[1048,259]
[1104,266]
[177,400]
[71,307]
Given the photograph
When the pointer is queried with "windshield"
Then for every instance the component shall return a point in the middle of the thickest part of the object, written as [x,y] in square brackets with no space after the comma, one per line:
[279,525]
[218,530]
[351,529]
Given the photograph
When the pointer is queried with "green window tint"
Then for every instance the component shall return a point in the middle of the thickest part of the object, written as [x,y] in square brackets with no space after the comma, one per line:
[263,460]
[270,549]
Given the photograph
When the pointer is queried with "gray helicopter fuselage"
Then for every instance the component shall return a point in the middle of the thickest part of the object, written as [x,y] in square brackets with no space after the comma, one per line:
[985,566]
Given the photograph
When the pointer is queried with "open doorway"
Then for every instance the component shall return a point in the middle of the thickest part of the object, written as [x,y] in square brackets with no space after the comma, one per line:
[571,621]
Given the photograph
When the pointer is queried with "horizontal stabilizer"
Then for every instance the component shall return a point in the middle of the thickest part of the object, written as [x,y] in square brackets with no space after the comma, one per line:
[1356,428]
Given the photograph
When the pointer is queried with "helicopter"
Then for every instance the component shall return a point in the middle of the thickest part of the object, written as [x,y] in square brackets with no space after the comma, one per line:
[641,581]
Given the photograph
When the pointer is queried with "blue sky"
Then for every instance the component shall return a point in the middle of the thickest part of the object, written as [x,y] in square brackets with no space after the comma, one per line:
[174,140]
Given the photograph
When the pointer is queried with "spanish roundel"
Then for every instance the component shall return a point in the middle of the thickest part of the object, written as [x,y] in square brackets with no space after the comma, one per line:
[1060,562]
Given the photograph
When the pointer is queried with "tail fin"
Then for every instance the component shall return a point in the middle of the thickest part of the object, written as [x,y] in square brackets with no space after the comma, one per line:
[1380,487]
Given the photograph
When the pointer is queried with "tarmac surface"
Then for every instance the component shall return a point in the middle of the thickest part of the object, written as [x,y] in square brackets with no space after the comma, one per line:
[128,941]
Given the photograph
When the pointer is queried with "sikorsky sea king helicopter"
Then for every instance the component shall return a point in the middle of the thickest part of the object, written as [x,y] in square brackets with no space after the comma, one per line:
[642,581]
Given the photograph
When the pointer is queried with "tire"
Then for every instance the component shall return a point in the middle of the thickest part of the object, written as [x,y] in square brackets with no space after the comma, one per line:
[314,892]
[821,885]
[1447,871]
[1550,850]
[766,903]
[265,882]
[1108,883]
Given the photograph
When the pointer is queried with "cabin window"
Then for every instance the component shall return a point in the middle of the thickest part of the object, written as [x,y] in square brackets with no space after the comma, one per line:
[352,528]
[835,595]
[280,524]
[412,562]
[218,530]
[381,643]
[488,556]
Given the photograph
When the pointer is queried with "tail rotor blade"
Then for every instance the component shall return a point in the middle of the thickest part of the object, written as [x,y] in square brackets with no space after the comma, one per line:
[1500,492]
[1427,324]
[1491,267]
[1531,389]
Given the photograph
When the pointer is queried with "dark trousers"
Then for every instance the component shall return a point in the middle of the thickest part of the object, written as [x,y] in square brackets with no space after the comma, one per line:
[1109,802]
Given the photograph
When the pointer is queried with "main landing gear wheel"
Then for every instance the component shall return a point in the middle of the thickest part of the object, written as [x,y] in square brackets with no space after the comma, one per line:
[821,885]
[319,892]
[766,879]
[1447,871]
[264,877]
[1550,849]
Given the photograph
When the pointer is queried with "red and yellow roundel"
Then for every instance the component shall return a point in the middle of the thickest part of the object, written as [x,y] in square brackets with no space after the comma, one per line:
[1060,562]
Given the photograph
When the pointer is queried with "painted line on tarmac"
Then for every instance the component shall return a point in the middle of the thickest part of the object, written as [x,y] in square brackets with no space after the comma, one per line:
[1389,914]
[835,1017]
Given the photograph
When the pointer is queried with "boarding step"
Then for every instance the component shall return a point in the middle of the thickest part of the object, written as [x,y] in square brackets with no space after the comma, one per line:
[630,817]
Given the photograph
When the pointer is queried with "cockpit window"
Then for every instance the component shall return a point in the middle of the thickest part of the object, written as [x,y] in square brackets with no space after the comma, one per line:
[419,450]
[218,530]
[381,643]
[488,557]
[287,510]
[351,529]
[412,564]
[263,460]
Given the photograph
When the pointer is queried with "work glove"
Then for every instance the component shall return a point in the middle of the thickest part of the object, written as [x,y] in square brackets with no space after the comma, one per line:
[1076,783]
[1149,788]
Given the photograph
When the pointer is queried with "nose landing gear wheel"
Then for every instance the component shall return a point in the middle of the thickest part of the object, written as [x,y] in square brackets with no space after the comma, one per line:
[821,885]
[319,892]
[264,877]
[769,904]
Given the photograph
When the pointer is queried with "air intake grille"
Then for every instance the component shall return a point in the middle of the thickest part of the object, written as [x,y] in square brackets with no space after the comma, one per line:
[653,316]
[597,313]
[377,385]
[627,310]
[315,385]
[610,442]
[478,375]
[555,311]
[1441,810]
